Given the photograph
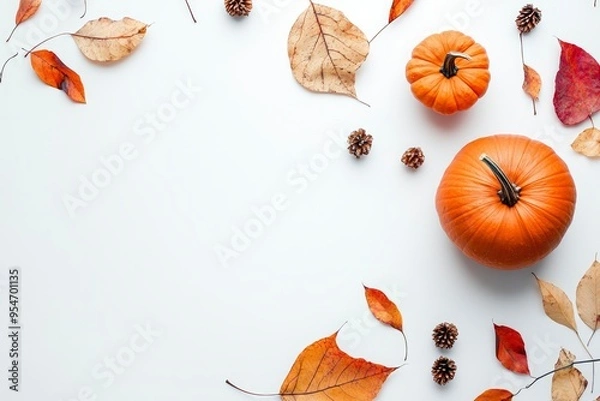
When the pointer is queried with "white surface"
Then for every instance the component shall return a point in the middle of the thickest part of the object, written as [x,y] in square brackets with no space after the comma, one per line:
[142,252]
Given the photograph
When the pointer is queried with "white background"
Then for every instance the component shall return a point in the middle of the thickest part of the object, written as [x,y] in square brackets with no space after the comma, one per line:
[142,252]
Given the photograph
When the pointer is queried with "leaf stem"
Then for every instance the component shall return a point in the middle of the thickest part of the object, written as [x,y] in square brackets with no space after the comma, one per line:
[522,52]
[590,355]
[12,32]
[189,7]
[405,345]
[5,63]
[250,392]
[378,32]
[591,120]
[28,52]
[85,7]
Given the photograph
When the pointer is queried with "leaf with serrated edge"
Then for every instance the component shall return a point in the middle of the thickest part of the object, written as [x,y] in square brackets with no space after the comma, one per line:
[588,143]
[106,40]
[588,296]
[325,50]
[495,394]
[510,349]
[568,384]
[398,8]
[323,372]
[557,304]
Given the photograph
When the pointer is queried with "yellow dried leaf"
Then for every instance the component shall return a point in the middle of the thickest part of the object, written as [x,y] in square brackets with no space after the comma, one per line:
[325,50]
[557,304]
[567,384]
[106,40]
[588,143]
[588,296]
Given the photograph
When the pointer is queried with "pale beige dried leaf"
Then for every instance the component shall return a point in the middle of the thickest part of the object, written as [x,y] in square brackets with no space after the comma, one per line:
[532,83]
[567,384]
[588,296]
[588,143]
[325,50]
[106,40]
[557,304]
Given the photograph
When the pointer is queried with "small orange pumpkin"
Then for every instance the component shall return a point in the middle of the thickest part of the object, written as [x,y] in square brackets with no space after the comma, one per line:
[448,72]
[506,201]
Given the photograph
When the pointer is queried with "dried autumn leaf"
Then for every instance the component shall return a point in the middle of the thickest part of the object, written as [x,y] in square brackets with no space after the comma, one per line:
[588,297]
[532,84]
[385,311]
[398,8]
[510,349]
[53,72]
[567,384]
[577,85]
[325,50]
[557,304]
[588,143]
[107,40]
[495,394]
[323,372]
[26,10]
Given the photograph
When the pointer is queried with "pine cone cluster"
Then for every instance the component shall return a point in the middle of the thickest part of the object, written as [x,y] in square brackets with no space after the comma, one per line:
[445,335]
[359,143]
[528,18]
[238,8]
[443,370]
[413,157]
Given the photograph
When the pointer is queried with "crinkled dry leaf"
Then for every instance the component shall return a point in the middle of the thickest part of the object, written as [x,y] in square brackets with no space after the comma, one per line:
[495,394]
[588,143]
[106,40]
[510,349]
[588,296]
[532,82]
[53,72]
[577,87]
[398,8]
[326,50]
[382,308]
[323,372]
[557,304]
[567,384]
[26,10]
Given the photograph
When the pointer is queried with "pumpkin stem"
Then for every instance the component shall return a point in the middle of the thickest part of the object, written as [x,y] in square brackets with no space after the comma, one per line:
[509,192]
[449,68]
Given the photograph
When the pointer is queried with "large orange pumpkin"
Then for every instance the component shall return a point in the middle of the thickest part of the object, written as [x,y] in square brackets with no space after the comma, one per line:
[448,72]
[506,200]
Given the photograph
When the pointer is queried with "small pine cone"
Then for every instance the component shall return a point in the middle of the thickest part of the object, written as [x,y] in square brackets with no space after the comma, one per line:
[443,370]
[238,8]
[360,143]
[528,18]
[413,157]
[445,335]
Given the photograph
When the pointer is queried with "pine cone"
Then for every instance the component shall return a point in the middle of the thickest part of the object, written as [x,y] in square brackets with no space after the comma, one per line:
[413,157]
[528,18]
[444,335]
[238,8]
[360,143]
[443,370]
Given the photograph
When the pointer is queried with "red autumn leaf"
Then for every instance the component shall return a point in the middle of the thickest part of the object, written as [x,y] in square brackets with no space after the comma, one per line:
[510,349]
[323,372]
[398,8]
[27,8]
[53,72]
[495,394]
[577,85]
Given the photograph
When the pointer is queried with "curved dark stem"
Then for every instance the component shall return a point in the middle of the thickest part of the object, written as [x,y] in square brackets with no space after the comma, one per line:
[12,32]
[189,7]
[449,68]
[5,63]
[84,9]
[44,41]
[250,392]
[591,120]
[522,52]
[405,345]
[378,32]
[509,192]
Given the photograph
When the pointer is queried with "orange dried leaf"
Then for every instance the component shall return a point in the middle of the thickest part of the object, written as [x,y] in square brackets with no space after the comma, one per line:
[398,8]
[382,308]
[27,8]
[53,72]
[495,394]
[510,349]
[532,83]
[323,372]
[588,143]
